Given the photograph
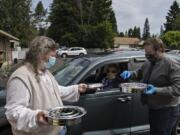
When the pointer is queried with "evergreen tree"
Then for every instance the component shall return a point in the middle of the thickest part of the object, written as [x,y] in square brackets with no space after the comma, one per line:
[130,32]
[15,19]
[65,20]
[171,16]
[40,20]
[161,30]
[154,36]
[75,21]
[126,33]
[113,22]
[121,34]
[135,32]
[176,23]
[138,32]
[146,30]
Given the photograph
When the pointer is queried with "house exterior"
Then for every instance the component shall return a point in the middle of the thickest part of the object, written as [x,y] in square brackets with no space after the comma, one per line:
[7,45]
[126,42]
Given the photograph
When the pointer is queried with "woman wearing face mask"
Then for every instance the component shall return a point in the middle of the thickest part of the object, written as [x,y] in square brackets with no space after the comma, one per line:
[162,75]
[111,80]
[32,89]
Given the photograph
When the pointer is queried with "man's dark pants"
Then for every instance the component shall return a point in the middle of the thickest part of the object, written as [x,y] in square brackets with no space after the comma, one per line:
[163,120]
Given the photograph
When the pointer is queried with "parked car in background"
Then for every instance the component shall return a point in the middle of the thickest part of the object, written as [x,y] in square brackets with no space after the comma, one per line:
[109,111]
[73,51]
[174,52]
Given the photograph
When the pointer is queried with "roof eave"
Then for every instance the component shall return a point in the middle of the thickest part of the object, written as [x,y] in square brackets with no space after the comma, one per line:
[8,35]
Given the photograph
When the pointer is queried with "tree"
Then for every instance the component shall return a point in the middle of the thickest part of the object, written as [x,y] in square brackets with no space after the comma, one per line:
[171,39]
[171,16]
[121,34]
[113,22]
[138,34]
[98,11]
[146,30]
[97,36]
[40,18]
[15,19]
[75,21]
[126,33]
[161,30]
[65,19]
[176,23]
[134,32]
[130,32]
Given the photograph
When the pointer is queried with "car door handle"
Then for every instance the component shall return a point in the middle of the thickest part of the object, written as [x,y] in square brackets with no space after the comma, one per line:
[124,99]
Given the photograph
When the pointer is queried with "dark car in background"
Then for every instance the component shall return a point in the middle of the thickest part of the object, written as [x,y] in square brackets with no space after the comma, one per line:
[109,111]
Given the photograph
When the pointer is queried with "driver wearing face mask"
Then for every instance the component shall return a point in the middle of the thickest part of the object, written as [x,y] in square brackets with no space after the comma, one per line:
[111,80]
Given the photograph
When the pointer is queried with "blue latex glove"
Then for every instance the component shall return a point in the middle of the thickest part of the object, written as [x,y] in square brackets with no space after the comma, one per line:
[126,74]
[150,90]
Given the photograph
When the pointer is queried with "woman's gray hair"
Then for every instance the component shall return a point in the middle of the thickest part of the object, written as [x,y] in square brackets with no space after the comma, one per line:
[40,45]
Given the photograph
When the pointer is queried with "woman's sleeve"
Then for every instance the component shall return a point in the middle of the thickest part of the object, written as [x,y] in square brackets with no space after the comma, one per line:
[17,102]
[69,93]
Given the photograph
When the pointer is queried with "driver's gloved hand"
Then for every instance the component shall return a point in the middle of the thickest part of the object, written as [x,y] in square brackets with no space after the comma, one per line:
[150,90]
[126,74]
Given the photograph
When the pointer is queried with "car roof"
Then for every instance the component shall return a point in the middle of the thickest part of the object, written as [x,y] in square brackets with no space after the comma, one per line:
[112,55]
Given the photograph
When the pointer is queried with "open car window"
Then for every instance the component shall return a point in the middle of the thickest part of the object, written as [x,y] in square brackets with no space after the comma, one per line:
[99,75]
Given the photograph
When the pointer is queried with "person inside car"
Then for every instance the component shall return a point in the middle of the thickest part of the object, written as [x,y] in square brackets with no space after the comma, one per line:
[111,79]
[32,90]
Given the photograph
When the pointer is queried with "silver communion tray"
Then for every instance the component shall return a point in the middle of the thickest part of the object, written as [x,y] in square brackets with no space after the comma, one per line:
[133,87]
[66,115]
[94,85]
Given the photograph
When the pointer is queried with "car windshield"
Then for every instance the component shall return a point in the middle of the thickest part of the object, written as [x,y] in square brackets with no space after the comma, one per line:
[70,70]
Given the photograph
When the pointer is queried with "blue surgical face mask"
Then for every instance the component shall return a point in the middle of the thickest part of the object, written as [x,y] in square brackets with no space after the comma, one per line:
[51,62]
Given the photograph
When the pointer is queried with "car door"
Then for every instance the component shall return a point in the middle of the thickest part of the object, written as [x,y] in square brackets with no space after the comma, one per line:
[75,51]
[108,112]
[78,51]
[139,111]
[100,108]
[71,51]
[99,117]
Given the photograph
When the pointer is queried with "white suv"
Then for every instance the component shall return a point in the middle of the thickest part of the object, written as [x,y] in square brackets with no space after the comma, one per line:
[73,51]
